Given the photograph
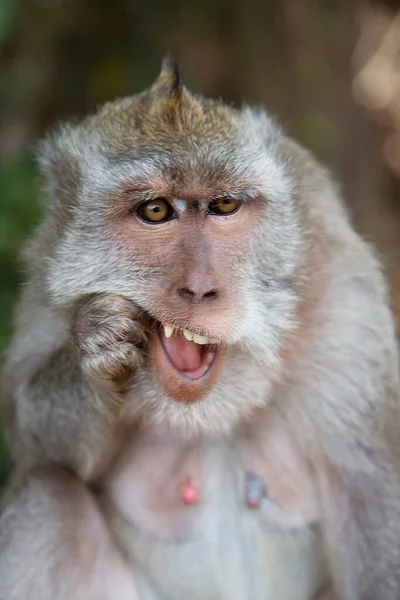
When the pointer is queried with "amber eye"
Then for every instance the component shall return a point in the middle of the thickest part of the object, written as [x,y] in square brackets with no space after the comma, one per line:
[155,211]
[223,206]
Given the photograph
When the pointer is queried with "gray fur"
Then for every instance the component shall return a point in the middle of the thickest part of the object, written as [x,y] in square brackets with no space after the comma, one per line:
[338,389]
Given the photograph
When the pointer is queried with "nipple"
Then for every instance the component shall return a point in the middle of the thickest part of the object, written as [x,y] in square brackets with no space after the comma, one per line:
[256,490]
[189,493]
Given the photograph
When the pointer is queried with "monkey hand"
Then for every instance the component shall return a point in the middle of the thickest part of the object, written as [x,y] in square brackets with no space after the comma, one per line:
[110,340]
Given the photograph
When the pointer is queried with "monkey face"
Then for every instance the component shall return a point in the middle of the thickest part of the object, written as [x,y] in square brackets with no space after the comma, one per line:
[193,250]
[186,207]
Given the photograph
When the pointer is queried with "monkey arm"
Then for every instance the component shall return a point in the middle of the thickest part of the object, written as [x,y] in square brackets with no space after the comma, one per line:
[361,525]
[55,543]
[359,480]
[52,414]
[358,477]
[352,403]
[57,389]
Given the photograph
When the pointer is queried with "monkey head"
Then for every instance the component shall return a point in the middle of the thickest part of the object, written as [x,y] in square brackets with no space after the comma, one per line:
[187,207]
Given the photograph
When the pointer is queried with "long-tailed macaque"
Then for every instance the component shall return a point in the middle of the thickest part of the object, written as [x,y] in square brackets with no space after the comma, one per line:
[202,394]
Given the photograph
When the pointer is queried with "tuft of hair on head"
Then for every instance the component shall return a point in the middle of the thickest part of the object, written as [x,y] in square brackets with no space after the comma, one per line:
[169,81]
[169,87]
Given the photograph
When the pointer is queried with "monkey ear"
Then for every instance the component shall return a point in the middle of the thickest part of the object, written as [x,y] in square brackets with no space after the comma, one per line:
[59,166]
[169,83]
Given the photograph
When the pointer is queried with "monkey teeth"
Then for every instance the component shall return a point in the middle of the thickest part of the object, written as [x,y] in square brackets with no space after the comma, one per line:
[190,336]
[168,330]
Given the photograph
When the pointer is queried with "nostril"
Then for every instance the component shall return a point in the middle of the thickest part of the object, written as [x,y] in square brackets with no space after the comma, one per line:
[197,296]
[212,294]
[186,293]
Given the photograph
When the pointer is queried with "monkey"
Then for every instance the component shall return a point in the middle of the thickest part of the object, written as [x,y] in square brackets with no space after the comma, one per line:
[201,395]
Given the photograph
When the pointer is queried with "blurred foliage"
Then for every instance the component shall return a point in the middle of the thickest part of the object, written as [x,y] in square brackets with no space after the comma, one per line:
[18,214]
[7,14]
[60,58]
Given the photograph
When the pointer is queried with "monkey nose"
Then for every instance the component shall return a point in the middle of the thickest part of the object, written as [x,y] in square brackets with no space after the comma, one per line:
[198,287]
[194,295]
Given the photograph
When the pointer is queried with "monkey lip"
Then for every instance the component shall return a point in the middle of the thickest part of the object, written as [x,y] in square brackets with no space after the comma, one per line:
[190,359]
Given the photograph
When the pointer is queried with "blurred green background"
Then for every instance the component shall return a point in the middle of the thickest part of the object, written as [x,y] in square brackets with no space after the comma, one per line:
[300,58]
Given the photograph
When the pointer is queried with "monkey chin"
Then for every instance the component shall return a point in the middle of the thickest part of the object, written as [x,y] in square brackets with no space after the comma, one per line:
[186,370]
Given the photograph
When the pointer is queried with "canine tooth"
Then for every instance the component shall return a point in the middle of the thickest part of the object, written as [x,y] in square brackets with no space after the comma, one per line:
[188,335]
[199,339]
[212,341]
[168,331]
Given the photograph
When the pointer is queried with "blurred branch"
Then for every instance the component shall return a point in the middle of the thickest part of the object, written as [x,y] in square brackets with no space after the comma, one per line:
[376,83]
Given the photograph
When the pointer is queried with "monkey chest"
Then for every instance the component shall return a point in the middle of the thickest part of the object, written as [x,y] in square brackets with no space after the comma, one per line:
[214,521]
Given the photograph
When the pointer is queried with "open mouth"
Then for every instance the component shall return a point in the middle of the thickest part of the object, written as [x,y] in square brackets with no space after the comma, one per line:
[192,355]
[186,362]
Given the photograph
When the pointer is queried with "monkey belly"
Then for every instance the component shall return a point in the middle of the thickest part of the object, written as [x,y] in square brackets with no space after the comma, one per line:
[219,547]
[235,558]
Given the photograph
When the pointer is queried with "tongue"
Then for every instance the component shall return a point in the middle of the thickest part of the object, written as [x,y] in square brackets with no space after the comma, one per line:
[185,356]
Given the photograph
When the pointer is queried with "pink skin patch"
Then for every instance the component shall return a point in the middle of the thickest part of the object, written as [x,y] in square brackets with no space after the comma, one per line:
[253,502]
[189,494]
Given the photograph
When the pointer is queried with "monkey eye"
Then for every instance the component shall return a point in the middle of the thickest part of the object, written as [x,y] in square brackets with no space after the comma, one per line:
[155,211]
[223,206]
